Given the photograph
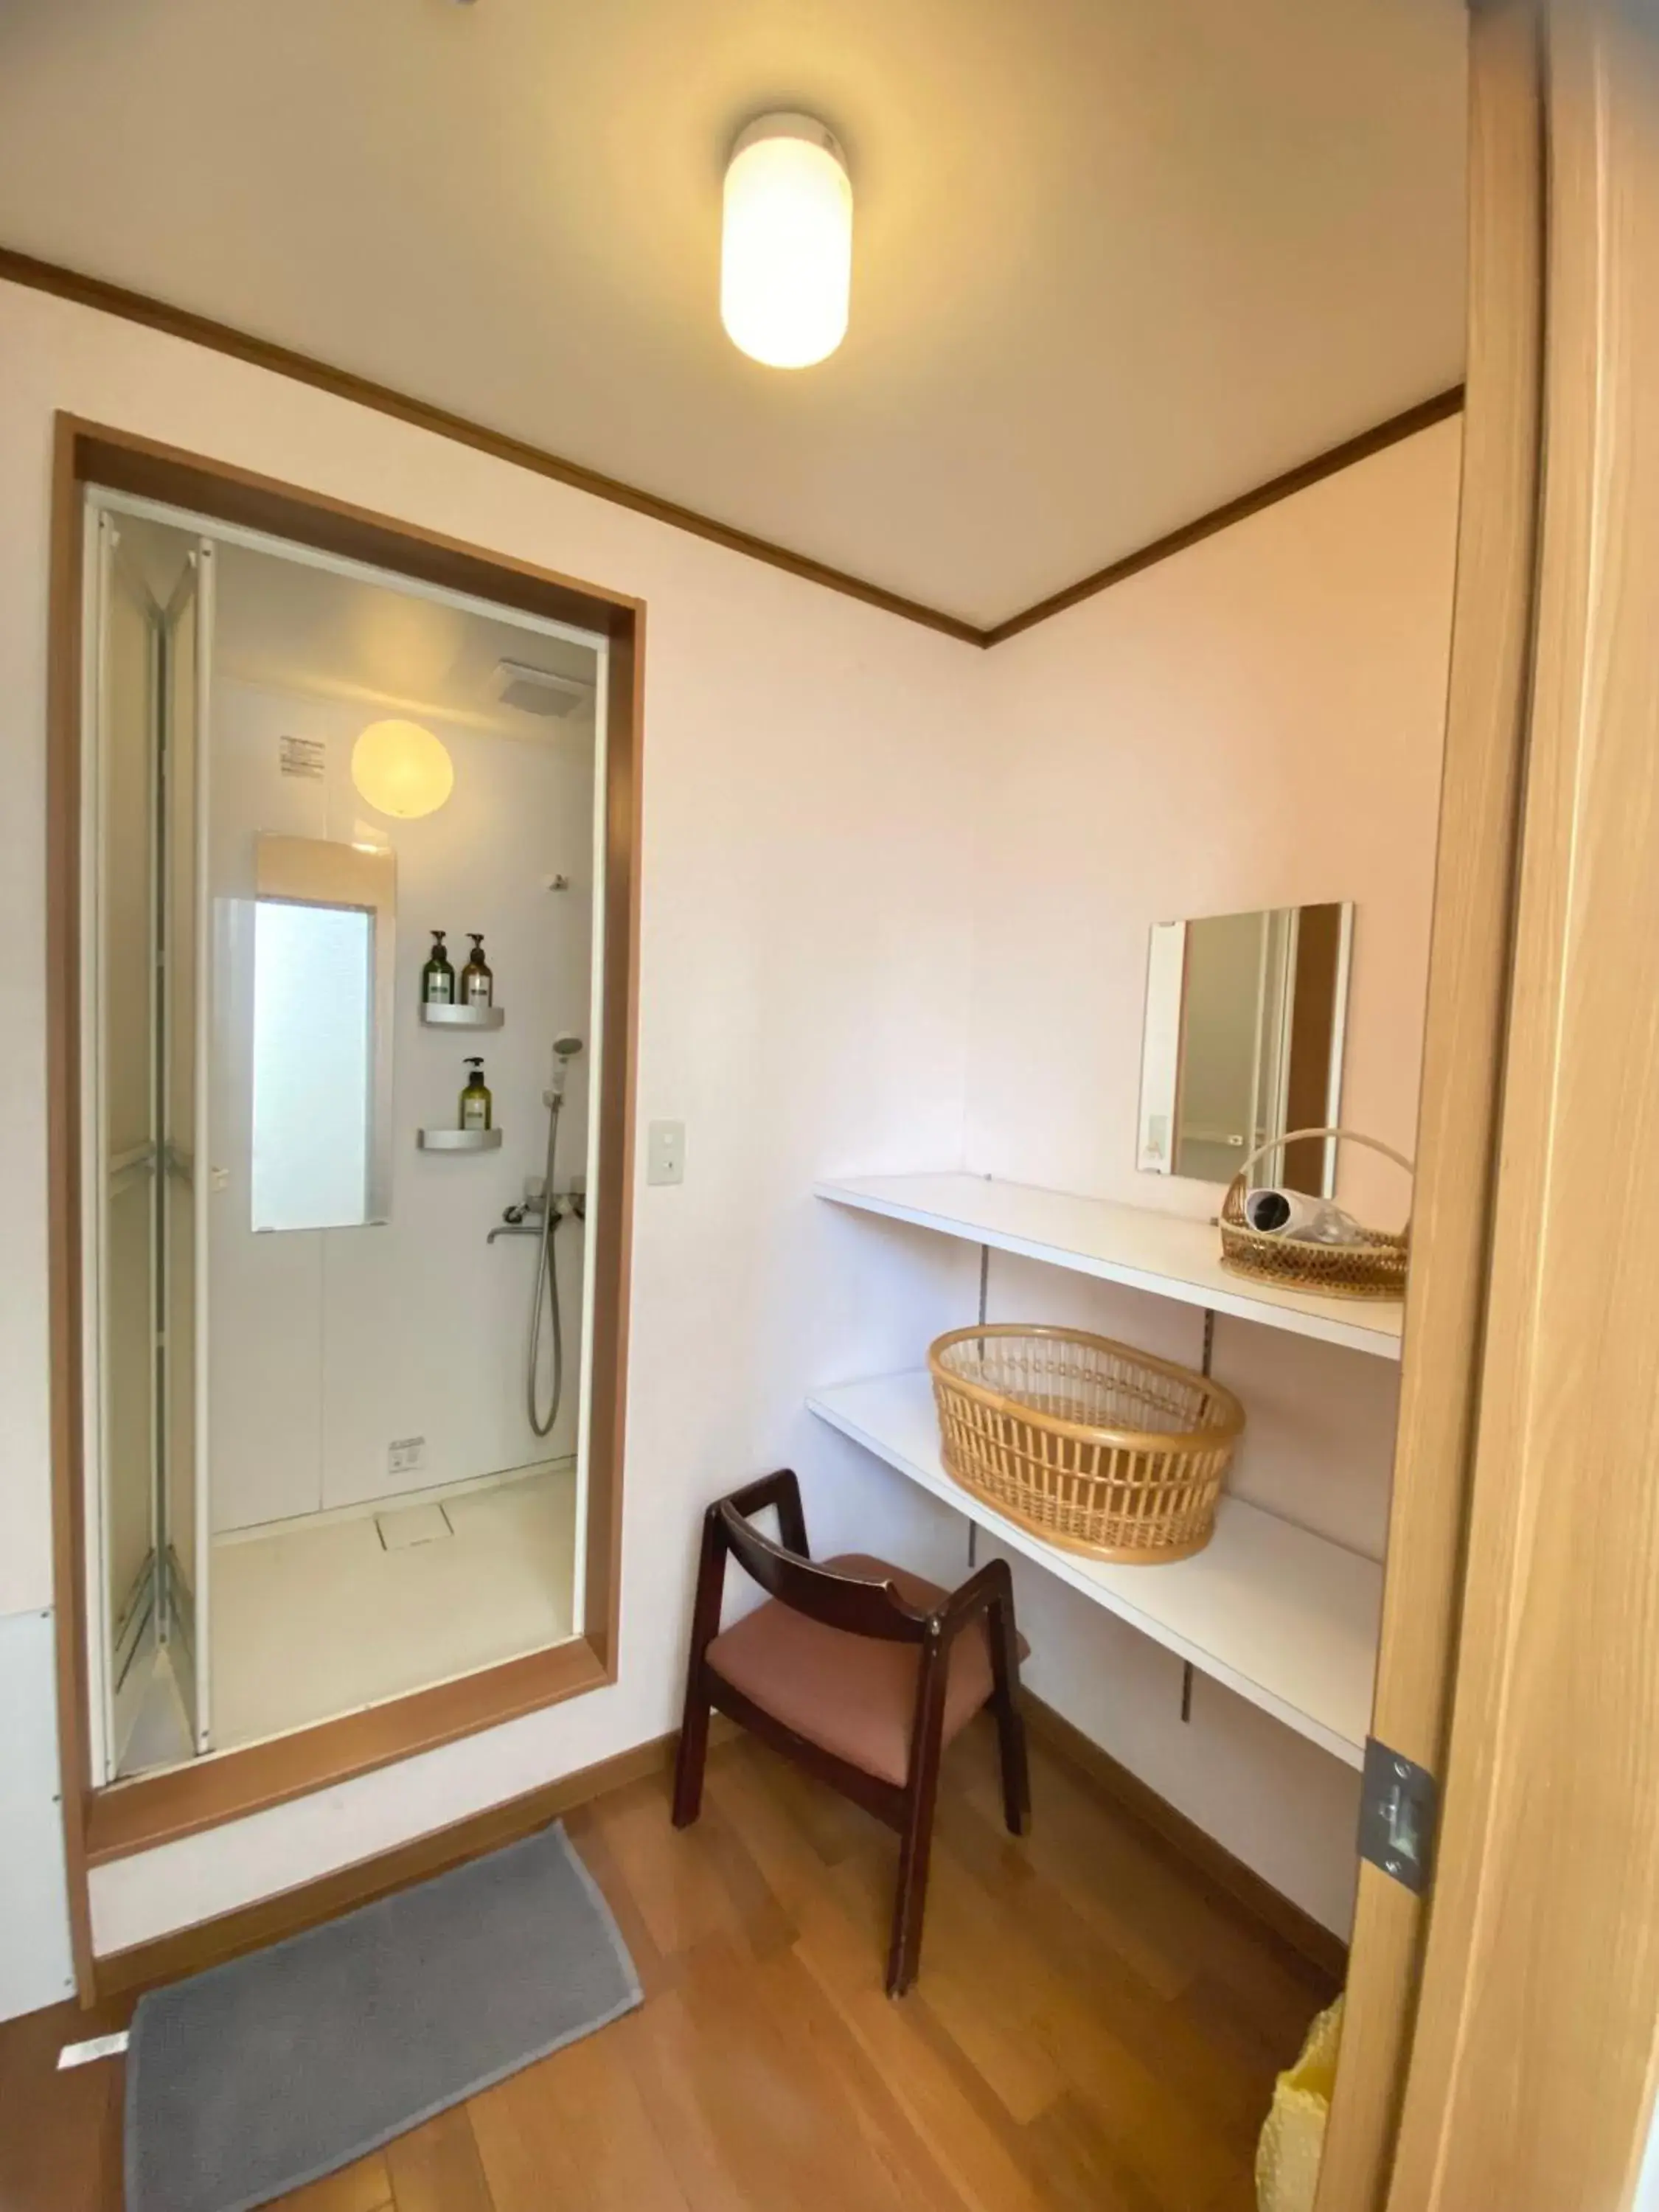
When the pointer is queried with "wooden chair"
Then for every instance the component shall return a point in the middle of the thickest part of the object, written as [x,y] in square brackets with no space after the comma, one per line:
[859,1672]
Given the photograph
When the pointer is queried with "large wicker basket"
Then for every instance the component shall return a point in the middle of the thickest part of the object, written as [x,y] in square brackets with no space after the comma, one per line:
[1098,1447]
[1373,1269]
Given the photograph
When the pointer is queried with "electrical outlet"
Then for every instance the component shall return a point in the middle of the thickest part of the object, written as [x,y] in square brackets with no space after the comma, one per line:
[664,1160]
[403,1454]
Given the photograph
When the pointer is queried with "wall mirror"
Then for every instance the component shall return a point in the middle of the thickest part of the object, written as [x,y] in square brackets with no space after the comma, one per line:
[1243,1042]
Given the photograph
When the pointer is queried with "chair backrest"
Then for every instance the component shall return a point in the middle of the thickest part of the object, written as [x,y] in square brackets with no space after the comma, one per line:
[847,1601]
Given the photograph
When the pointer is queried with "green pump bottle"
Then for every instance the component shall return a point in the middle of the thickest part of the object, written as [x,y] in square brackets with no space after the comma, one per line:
[477,984]
[438,977]
[476,1105]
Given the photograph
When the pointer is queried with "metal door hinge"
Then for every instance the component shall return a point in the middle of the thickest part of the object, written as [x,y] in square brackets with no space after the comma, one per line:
[1398,1804]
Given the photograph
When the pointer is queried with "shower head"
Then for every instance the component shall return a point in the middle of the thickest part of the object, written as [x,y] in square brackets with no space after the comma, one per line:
[566,1046]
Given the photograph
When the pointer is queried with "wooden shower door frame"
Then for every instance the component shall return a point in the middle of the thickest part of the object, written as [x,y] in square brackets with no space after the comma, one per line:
[101,1823]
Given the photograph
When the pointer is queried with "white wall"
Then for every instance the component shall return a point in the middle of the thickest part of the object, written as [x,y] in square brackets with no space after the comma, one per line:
[809,782]
[327,1344]
[35,1966]
[1255,723]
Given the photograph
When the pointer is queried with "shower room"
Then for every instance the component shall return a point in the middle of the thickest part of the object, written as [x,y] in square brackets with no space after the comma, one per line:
[352,944]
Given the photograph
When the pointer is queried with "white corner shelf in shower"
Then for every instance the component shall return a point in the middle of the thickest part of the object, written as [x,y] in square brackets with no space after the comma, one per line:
[459,1140]
[462,1017]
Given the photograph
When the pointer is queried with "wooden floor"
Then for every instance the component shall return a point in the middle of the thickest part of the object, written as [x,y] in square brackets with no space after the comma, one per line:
[1093,2027]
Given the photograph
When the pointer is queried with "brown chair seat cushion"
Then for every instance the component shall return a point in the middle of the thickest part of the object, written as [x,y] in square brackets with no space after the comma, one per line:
[854,1696]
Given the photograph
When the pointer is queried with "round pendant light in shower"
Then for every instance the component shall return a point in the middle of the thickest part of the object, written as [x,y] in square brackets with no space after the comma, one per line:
[402,769]
[786,242]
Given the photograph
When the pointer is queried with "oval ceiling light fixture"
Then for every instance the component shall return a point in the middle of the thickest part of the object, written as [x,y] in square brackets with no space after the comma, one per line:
[401,769]
[786,242]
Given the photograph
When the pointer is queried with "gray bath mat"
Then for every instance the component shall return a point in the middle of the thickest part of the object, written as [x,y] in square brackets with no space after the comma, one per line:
[248,2079]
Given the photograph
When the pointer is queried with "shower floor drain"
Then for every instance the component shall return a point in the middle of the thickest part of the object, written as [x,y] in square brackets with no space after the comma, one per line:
[410,1525]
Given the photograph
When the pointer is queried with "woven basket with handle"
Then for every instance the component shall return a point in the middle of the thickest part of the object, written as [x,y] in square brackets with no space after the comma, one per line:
[1373,1269]
[1098,1447]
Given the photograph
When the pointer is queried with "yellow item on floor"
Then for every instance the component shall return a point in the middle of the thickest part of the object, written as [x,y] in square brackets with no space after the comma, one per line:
[1293,2134]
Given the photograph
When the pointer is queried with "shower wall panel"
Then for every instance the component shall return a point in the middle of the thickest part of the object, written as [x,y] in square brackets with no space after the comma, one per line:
[331,1345]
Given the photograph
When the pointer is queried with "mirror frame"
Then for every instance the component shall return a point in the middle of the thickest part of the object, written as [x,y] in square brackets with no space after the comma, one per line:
[1158,1090]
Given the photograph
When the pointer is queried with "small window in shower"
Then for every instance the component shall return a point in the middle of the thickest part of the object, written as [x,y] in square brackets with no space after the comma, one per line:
[322,970]
[313,977]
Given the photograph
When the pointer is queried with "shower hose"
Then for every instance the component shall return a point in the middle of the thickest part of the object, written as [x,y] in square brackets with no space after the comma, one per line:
[547,1291]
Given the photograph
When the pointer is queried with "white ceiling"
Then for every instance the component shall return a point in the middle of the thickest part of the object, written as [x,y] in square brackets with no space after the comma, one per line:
[289,625]
[1116,261]
[295,627]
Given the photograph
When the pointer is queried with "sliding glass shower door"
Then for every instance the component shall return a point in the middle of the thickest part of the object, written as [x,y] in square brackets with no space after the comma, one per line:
[183,964]
[144,956]
[371,1480]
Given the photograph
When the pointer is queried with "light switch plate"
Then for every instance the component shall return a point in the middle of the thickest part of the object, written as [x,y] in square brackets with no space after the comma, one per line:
[665,1158]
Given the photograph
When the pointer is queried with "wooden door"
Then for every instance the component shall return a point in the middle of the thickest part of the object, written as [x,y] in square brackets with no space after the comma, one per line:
[1536,2048]
[1464,1045]
[1505,2051]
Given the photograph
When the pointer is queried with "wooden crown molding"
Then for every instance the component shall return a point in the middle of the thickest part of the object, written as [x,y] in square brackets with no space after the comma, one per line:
[1423,417]
[97,292]
[344,384]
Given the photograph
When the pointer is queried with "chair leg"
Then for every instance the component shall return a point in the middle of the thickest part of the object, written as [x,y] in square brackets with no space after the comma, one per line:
[1015,1772]
[1011,1725]
[915,1848]
[692,1755]
[904,1951]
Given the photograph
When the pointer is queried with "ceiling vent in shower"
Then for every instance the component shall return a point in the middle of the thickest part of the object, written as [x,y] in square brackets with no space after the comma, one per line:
[539,691]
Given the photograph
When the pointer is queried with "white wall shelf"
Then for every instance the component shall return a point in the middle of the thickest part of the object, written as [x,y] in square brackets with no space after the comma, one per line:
[459,1140]
[1166,1254]
[437,1016]
[1286,1620]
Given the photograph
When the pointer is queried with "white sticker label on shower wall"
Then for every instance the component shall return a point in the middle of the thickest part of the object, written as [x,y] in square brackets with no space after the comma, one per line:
[302,756]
